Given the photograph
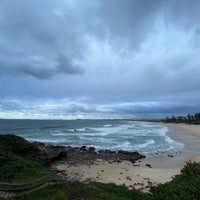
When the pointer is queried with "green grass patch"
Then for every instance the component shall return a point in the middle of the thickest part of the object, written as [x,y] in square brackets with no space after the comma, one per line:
[15,144]
[81,191]
[14,166]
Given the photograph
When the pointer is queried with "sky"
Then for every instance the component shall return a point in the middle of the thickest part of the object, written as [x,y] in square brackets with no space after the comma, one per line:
[72,59]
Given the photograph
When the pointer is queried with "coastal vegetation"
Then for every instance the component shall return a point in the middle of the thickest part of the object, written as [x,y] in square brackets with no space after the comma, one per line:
[31,180]
[189,119]
[15,166]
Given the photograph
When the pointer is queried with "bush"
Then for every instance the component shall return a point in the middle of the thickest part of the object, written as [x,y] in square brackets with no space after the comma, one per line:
[185,186]
[14,166]
[14,144]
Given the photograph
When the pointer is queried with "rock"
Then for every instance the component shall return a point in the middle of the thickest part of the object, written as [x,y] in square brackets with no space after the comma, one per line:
[91,149]
[128,152]
[129,178]
[83,148]
[118,160]
[76,148]
[149,183]
[48,154]
[107,151]
[59,170]
[124,152]
[130,156]
[69,149]
[148,165]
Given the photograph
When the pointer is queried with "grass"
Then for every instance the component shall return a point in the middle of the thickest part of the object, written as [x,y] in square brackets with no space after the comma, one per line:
[80,191]
[15,167]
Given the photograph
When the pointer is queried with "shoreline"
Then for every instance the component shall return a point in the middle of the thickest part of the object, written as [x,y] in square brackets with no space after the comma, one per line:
[184,134]
[189,135]
[143,173]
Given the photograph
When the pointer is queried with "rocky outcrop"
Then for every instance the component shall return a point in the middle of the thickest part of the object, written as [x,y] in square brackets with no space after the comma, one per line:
[130,156]
[47,154]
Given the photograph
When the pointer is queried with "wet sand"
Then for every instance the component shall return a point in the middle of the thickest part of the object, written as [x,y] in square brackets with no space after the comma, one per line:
[154,169]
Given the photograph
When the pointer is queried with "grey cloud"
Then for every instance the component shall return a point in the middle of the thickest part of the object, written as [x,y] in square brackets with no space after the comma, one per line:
[52,29]
[185,14]
[130,19]
[62,65]
[34,30]
[64,108]
[37,72]
[65,66]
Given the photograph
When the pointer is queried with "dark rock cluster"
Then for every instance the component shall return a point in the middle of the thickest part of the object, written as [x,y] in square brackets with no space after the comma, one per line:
[47,154]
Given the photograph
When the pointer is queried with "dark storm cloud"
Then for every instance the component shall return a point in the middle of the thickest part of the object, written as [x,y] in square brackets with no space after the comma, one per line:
[124,56]
[37,41]
[63,65]
[47,29]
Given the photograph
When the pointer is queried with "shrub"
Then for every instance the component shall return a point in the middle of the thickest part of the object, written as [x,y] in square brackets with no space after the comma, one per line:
[185,186]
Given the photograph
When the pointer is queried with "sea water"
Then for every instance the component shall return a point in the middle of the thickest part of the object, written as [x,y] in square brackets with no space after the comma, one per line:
[144,137]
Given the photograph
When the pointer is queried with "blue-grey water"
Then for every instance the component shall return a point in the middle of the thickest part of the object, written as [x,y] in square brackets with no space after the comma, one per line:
[144,137]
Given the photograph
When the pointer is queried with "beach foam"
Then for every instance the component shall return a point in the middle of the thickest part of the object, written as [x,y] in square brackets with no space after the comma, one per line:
[147,138]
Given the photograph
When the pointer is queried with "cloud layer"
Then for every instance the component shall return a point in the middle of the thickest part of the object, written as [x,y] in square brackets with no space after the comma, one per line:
[127,58]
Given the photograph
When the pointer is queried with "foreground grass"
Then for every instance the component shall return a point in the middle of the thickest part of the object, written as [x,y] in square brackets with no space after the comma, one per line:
[15,167]
[80,191]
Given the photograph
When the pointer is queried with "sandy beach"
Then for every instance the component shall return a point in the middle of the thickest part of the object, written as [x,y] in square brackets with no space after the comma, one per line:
[152,170]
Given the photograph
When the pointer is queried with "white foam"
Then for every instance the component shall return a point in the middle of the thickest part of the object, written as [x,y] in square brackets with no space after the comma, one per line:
[107,125]
[173,144]
[130,136]
[71,130]
[125,146]
[58,134]
[145,144]
[80,129]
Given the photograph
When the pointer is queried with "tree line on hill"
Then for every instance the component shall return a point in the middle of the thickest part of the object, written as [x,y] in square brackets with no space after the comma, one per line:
[189,119]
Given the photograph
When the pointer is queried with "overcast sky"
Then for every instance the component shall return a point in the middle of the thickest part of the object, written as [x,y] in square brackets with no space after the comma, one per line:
[71,59]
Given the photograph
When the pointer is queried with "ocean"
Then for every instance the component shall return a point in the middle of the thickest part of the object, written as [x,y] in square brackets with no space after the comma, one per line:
[144,137]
